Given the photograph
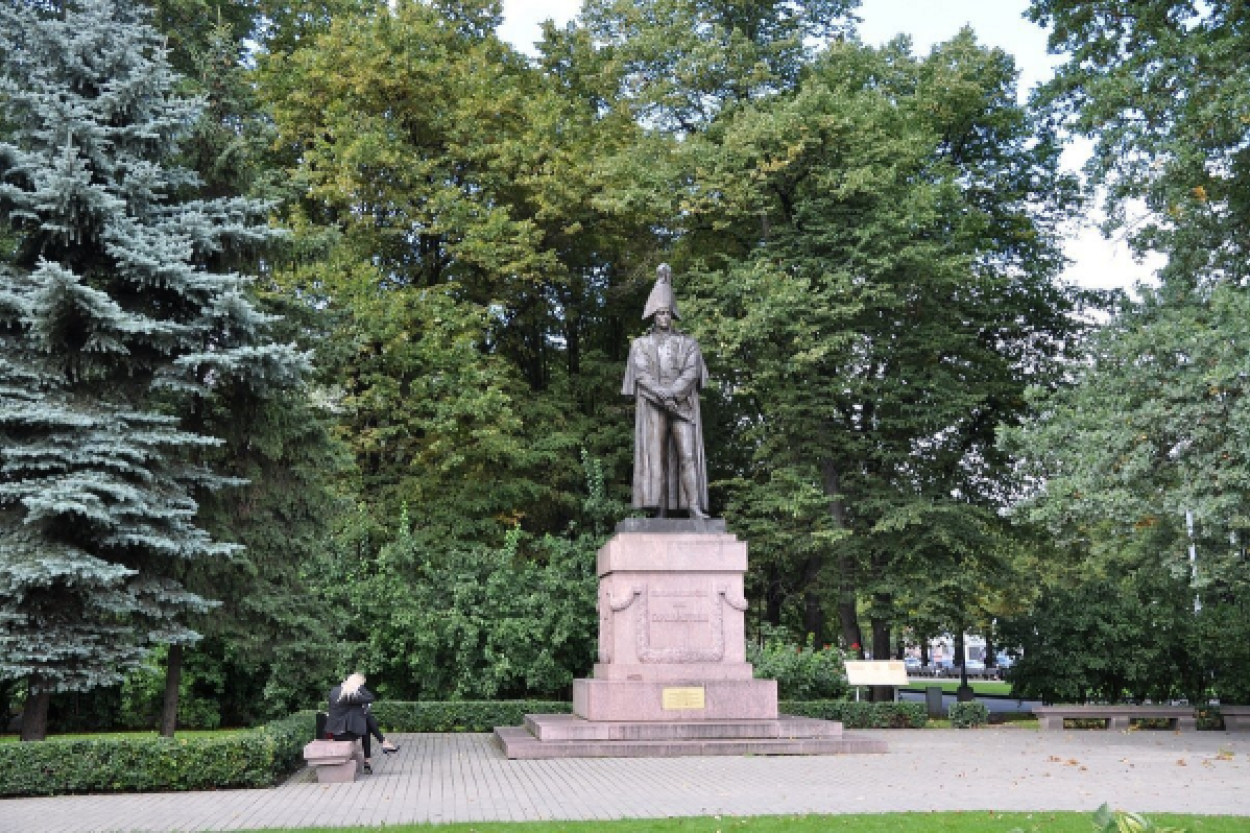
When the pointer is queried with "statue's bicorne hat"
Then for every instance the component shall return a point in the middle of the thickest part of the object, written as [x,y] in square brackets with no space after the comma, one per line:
[662,293]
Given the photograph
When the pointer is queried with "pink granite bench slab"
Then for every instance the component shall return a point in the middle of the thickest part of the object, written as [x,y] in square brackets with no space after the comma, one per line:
[336,761]
[1118,716]
[1236,718]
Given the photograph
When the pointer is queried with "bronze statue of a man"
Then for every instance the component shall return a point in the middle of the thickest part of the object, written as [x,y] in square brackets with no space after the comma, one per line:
[664,374]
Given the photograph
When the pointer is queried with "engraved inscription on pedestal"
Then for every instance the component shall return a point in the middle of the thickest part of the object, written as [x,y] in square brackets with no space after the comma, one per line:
[679,626]
[671,625]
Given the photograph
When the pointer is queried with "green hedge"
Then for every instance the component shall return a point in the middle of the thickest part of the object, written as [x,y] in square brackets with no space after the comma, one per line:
[484,716]
[461,716]
[258,758]
[968,715]
[853,715]
[1209,717]
[261,757]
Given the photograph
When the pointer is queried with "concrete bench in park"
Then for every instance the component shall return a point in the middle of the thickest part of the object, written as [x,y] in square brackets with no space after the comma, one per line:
[336,761]
[1236,718]
[1118,716]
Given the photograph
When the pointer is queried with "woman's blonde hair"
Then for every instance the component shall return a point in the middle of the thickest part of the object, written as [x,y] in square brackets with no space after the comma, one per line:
[351,685]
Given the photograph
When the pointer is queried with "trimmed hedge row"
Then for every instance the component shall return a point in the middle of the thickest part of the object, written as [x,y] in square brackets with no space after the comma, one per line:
[461,716]
[262,757]
[484,716]
[853,715]
[257,758]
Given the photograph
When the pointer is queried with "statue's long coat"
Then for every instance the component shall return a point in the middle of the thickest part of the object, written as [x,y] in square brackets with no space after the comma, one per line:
[684,374]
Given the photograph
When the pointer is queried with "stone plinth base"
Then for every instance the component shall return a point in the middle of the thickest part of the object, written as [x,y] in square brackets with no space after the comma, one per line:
[569,736]
[571,727]
[675,701]
[672,677]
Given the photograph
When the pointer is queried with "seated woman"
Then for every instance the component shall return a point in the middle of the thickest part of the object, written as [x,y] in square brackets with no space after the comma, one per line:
[349,718]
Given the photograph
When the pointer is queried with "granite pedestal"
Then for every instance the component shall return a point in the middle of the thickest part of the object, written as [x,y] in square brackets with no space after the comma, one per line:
[672,676]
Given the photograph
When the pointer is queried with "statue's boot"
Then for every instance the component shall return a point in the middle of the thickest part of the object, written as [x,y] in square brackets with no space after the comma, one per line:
[689,485]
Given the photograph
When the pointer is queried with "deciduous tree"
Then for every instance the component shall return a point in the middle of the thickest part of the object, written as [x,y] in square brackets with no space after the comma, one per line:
[881,252]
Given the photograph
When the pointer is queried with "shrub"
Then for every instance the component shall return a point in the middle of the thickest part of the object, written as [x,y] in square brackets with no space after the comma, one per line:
[200,689]
[482,716]
[1209,717]
[968,715]
[255,758]
[802,672]
[461,715]
[860,715]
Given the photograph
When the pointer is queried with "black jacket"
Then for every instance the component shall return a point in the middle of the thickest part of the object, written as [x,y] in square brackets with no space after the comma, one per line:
[348,714]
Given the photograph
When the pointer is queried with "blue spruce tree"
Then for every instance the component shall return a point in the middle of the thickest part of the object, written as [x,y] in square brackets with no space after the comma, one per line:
[112,325]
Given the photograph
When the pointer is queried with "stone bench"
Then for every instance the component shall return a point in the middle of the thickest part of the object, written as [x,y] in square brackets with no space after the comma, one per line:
[1236,718]
[336,761]
[1118,716]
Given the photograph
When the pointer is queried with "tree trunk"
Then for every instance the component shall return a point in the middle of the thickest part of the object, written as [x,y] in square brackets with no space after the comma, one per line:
[35,712]
[964,693]
[848,616]
[881,650]
[173,679]
[881,629]
[773,598]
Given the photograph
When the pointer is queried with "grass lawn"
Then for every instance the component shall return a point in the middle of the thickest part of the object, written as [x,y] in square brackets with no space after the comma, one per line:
[949,686]
[978,822]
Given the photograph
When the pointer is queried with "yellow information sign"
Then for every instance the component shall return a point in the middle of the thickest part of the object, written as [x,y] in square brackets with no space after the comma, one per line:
[876,672]
[674,699]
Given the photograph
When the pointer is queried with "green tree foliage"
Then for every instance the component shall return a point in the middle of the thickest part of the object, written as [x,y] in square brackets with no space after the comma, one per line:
[880,253]
[112,325]
[1161,86]
[802,671]
[1150,434]
[1153,428]
[473,354]
[1157,84]
[679,63]
[866,246]
[1121,637]
[463,621]
[268,635]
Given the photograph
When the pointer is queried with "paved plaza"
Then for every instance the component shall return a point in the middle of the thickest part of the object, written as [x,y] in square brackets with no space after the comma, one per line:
[461,778]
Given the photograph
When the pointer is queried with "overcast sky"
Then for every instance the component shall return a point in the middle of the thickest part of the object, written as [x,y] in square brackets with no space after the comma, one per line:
[1096,262]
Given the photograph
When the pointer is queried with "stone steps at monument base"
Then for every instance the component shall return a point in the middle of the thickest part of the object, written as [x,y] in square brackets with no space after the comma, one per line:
[568,727]
[517,743]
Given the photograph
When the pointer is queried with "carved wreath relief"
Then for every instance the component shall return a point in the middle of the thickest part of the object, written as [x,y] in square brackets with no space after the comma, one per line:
[694,609]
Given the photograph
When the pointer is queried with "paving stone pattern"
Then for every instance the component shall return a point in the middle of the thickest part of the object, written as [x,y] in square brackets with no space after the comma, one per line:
[453,778]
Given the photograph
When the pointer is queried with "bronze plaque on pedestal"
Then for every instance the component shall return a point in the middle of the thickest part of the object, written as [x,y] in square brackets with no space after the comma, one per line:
[678,699]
